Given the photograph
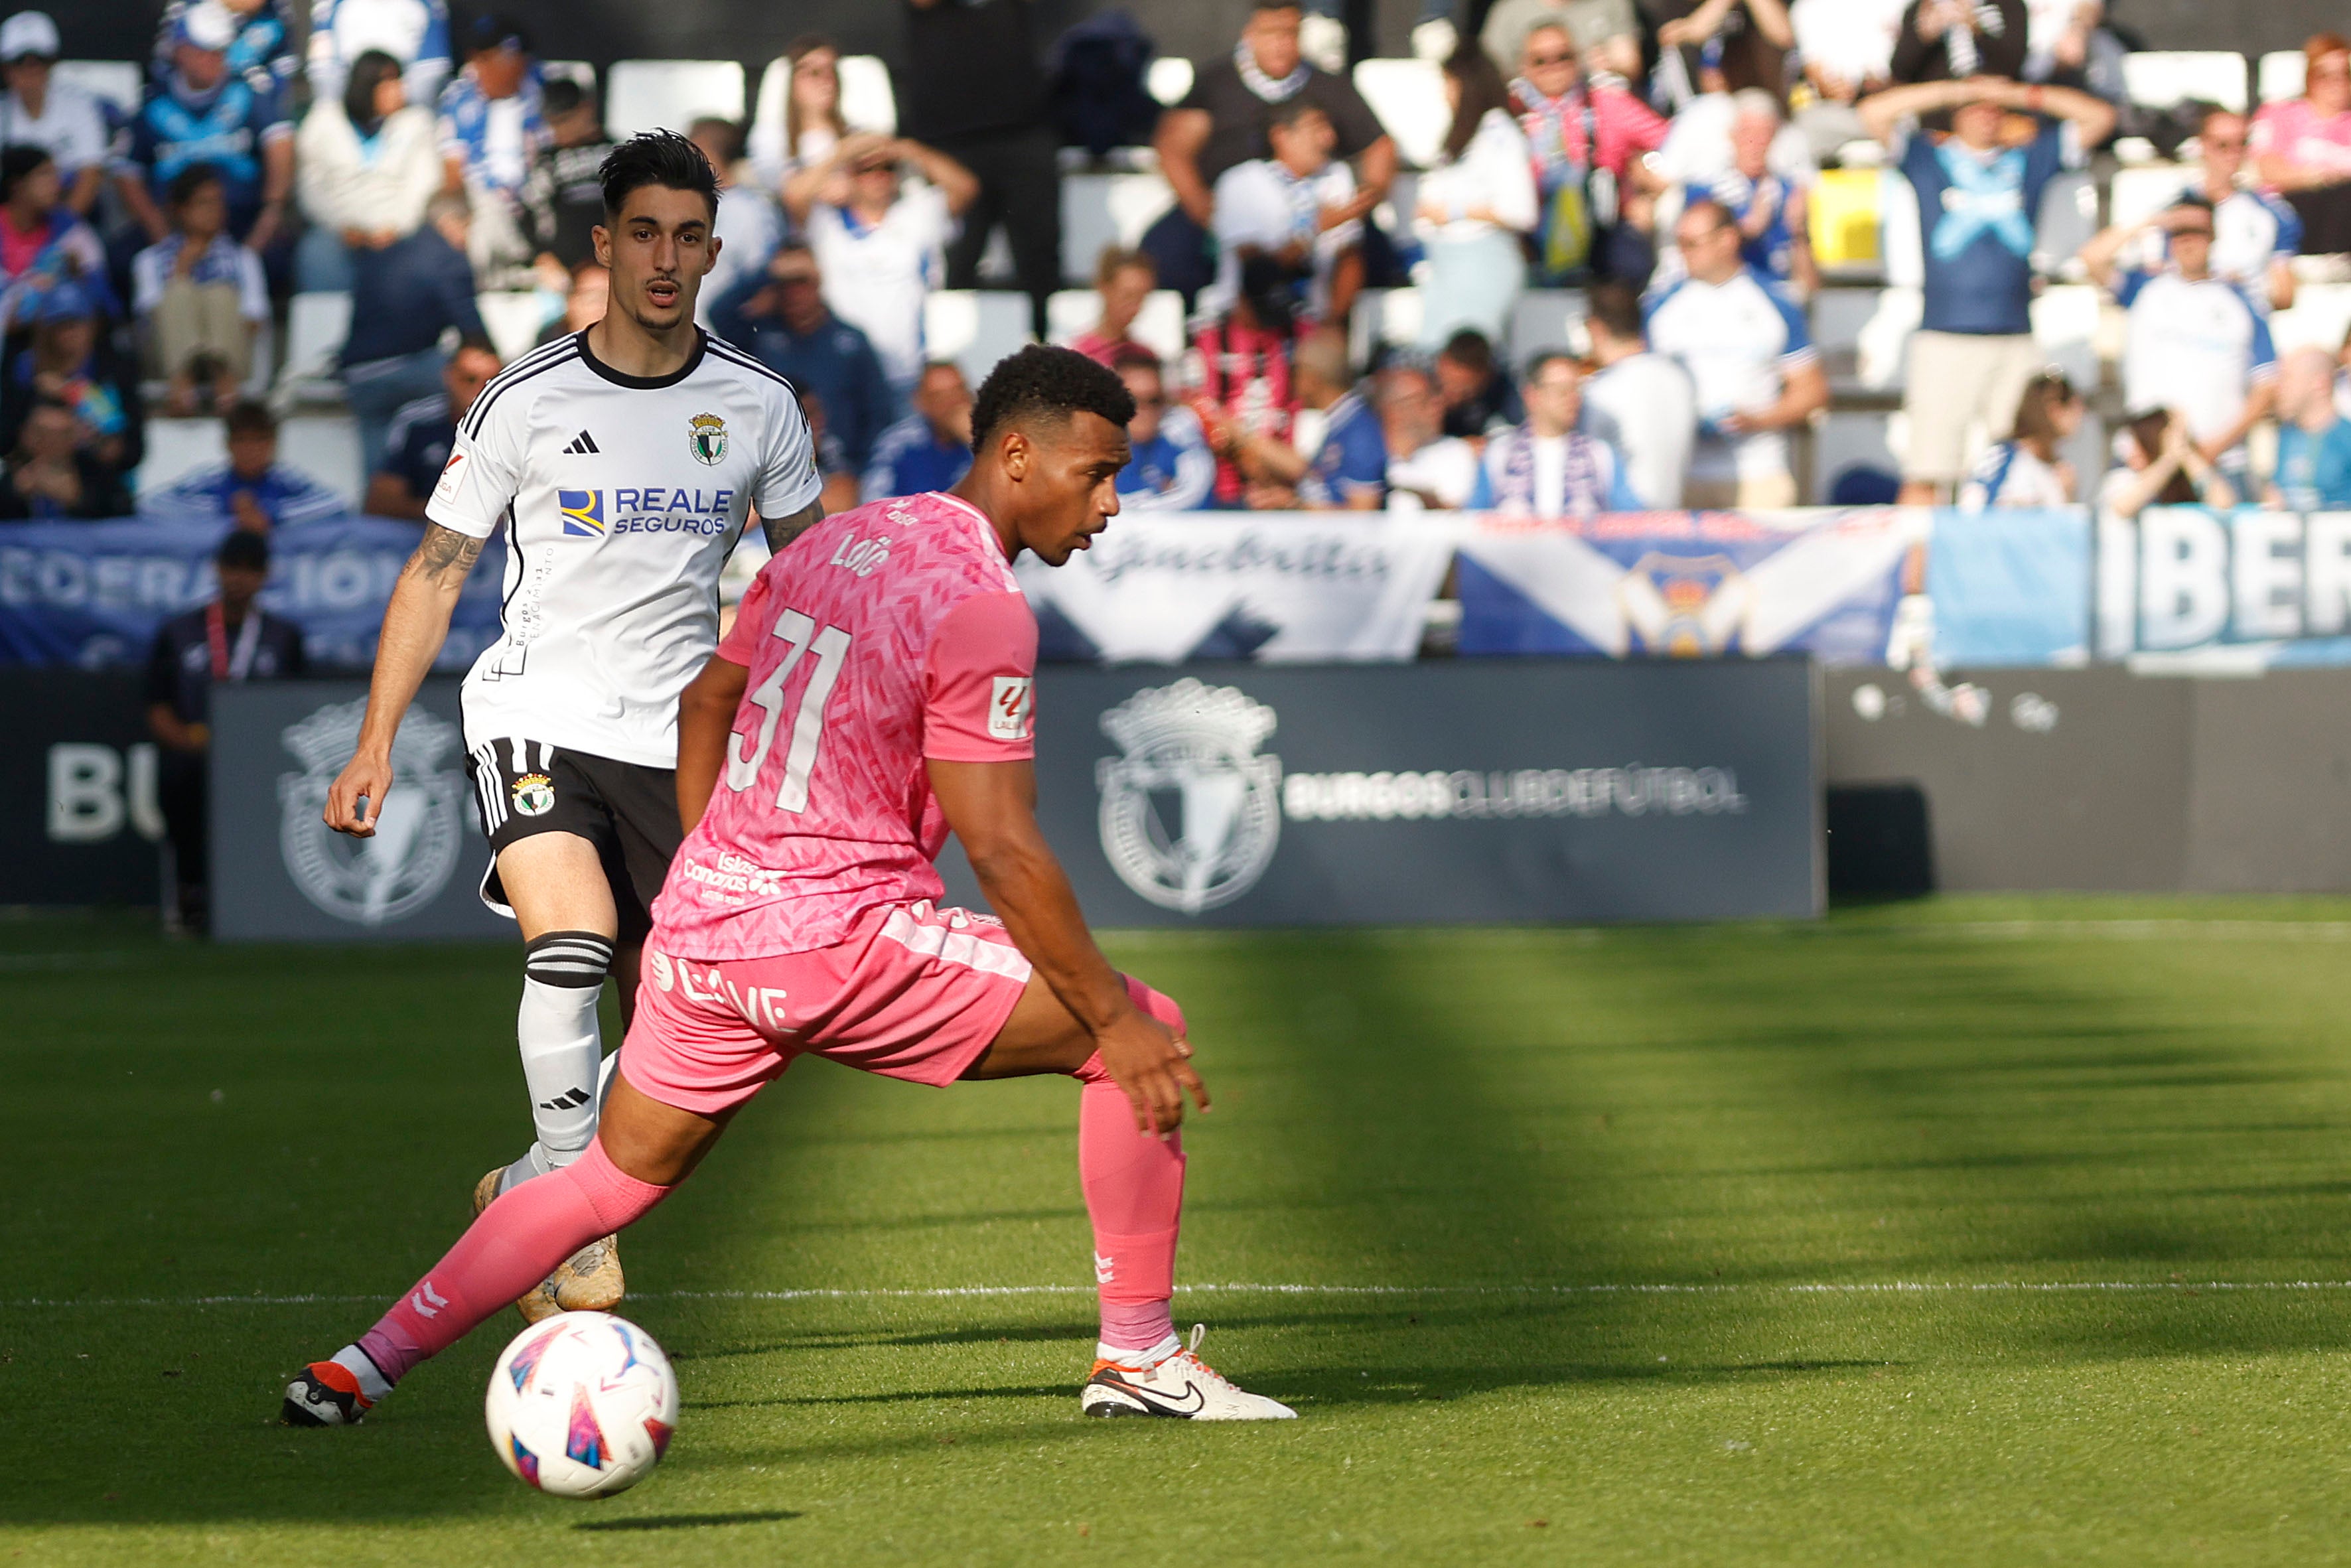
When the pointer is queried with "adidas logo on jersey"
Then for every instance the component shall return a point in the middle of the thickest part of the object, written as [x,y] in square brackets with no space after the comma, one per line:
[582,445]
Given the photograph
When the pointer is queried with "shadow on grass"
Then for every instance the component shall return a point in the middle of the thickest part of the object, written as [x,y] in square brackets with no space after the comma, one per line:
[689,1521]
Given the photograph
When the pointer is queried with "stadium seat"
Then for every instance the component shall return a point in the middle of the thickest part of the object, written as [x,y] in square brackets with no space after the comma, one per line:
[1384,318]
[326,447]
[867,101]
[1159,326]
[1842,215]
[2069,220]
[1853,438]
[2158,79]
[1545,319]
[1839,316]
[2320,317]
[316,325]
[579,71]
[117,81]
[975,328]
[2281,75]
[651,95]
[1882,343]
[2065,318]
[1169,80]
[177,447]
[514,320]
[1100,210]
[1408,95]
[2139,194]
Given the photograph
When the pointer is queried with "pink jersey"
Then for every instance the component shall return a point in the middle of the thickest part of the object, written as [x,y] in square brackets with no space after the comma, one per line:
[884,636]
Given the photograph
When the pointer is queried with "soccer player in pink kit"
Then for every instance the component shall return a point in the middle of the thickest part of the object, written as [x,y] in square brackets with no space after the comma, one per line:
[873,695]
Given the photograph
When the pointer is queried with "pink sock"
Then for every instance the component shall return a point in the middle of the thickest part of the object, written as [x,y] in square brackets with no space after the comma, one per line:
[515,1243]
[1134,1193]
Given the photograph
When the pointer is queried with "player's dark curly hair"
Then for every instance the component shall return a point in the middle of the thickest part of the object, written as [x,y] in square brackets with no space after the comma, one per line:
[656,158]
[1051,382]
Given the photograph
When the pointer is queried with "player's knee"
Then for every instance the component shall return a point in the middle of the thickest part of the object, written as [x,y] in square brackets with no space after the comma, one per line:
[568,958]
[1158,1004]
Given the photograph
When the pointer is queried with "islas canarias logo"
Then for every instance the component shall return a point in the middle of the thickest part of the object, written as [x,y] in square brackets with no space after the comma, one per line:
[583,512]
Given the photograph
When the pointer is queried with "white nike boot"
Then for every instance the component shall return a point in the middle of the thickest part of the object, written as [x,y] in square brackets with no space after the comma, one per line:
[1170,1379]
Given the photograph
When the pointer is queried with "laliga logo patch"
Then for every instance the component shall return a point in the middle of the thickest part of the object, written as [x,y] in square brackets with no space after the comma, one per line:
[583,512]
[1197,743]
[534,794]
[448,487]
[1009,707]
[705,437]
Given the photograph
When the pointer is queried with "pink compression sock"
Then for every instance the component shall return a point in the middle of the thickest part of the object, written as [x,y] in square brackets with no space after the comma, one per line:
[515,1243]
[1134,1193]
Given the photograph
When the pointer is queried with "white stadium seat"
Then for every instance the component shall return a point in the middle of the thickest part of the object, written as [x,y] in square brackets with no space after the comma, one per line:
[975,328]
[867,101]
[1408,95]
[2281,75]
[2158,79]
[2069,219]
[1545,319]
[514,320]
[177,447]
[654,95]
[1851,438]
[1839,316]
[2320,317]
[1386,317]
[2065,326]
[326,447]
[316,325]
[1158,326]
[1099,210]
[2139,194]
[1169,80]
[117,81]
[579,71]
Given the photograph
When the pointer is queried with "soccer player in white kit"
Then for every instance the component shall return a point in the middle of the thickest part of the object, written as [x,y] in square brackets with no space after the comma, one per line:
[875,694]
[623,463]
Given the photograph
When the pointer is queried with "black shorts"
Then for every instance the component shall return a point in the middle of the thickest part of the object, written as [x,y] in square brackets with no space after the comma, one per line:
[628,810]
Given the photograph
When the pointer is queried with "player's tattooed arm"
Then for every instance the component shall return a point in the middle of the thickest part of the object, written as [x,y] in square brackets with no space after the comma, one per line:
[443,556]
[782,531]
[415,624]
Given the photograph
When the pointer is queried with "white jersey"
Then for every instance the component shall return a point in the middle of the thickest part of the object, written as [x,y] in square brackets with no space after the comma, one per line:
[622,497]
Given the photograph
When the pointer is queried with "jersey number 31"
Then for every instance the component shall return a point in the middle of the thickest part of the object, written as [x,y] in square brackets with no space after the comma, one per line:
[831,649]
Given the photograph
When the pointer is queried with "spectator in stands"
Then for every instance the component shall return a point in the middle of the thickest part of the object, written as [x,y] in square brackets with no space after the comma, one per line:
[1170,467]
[2195,343]
[975,91]
[780,316]
[2303,146]
[1640,403]
[811,126]
[1847,48]
[492,128]
[70,361]
[563,197]
[2156,464]
[1427,469]
[417,446]
[52,475]
[2255,236]
[843,481]
[1123,280]
[1700,146]
[1239,371]
[750,224]
[930,449]
[1588,141]
[590,291]
[200,113]
[37,110]
[230,639]
[414,32]
[1607,32]
[1477,208]
[1475,390]
[262,51]
[1298,209]
[1348,469]
[2029,469]
[403,297]
[200,298]
[1719,46]
[252,490]
[1751,357]
[366,166]
[1979,192]
[43,244]
[2313,451]
[1770,208]
[1226,118]
[1951,40]
[1547,467]
[880,241]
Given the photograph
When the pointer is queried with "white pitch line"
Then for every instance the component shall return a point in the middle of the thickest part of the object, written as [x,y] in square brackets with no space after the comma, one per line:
[1896,1287]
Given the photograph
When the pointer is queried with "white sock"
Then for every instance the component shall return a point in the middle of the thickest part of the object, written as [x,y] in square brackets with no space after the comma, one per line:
[562,1047]
[1144,1359]
[373,1386]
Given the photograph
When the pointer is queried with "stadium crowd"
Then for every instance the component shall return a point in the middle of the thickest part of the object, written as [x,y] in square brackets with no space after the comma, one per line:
[1665,167]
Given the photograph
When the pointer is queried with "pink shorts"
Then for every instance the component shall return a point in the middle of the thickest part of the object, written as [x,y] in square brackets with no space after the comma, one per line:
[911,992]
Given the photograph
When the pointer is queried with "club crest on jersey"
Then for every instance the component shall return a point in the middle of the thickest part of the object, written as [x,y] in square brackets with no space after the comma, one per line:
[583,512]
[705,437]
[534,794]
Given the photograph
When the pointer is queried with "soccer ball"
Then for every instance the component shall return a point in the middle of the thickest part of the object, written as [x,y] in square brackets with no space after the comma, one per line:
[581,1404]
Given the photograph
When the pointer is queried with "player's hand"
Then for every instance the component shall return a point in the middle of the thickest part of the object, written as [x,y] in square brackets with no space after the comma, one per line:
[1154,1069]
[365,777]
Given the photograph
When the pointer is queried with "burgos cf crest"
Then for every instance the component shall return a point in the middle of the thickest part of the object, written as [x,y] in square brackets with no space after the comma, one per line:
[372,882]
[583,512]
[1193,748]
[706,437]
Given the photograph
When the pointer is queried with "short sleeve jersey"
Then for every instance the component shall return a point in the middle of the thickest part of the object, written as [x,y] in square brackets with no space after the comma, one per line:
[1739,340]
[1239,118]
[886,636]
[1977,219]
[1353,460]
[2196,346]
[621,497]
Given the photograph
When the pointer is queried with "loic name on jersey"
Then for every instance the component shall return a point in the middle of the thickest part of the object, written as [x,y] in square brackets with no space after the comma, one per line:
[861,557]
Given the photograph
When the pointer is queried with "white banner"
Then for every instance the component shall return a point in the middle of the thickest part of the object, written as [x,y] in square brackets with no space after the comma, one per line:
[2225,590]
[1275,587]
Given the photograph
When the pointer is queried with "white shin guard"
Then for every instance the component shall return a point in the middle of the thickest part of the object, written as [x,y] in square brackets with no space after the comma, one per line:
[563,1046]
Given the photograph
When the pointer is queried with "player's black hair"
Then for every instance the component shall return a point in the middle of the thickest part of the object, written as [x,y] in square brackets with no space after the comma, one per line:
[243,551]
[656,158]
[17,162]
[1051,382]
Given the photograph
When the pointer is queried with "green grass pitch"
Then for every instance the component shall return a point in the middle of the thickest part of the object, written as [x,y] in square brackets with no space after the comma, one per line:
[1601,1243]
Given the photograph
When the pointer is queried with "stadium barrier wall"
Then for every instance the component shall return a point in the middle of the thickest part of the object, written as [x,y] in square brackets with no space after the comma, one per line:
[79,820]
